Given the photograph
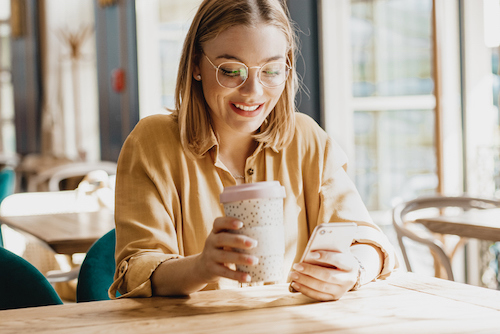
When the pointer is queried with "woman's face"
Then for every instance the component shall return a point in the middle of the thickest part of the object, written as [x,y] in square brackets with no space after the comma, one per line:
[242,109]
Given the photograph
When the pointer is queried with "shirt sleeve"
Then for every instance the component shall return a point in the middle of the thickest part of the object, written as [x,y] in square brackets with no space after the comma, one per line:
[341,202]
[145,229]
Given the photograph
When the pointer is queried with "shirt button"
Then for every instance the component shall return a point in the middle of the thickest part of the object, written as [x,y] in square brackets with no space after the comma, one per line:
[250,171]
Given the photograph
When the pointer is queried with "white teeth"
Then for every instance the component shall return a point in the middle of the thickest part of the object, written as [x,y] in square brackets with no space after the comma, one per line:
[246,108]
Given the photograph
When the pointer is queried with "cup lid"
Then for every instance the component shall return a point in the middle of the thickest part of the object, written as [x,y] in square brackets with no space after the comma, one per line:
[266,189]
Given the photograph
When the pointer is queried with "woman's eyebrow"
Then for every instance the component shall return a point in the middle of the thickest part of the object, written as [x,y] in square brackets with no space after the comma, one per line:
[231,57]
[228,56]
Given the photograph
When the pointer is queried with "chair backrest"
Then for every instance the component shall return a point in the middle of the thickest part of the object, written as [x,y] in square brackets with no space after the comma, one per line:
[53,176]
[402,210]
[7,182]
[22,285]
[97,270]
[7,186]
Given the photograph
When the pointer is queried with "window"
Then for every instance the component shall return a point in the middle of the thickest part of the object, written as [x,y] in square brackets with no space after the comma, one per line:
[391,43]
[7,128]
[495,69]
[161,28]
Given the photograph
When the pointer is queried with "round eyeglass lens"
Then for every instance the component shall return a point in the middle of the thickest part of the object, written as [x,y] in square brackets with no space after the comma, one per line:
[273,74]
[232,75]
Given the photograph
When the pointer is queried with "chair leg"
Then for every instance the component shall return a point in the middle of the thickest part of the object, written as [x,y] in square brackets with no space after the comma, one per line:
[405,255]
[458,245]
[442,260]
[438,268]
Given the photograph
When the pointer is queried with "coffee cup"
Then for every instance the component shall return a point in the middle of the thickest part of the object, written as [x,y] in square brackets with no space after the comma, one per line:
[259,206]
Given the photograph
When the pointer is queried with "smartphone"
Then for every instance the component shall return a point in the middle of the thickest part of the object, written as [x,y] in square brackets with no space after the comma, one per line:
[336,237]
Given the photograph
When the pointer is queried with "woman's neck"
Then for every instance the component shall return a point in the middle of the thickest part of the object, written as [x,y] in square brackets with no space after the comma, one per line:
[234,151]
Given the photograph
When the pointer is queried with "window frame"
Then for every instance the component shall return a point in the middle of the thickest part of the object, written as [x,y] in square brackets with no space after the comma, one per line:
[339,104]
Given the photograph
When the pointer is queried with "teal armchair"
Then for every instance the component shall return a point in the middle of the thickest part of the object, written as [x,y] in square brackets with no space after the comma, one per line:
[97,270]
[7,185]
[22,285]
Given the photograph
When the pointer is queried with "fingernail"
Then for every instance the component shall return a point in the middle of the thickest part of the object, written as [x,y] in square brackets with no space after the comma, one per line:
[251,243]
[295,286]
[298,267]
[238,224]
[315,255]
[294,276]
[252,260]
[248,278]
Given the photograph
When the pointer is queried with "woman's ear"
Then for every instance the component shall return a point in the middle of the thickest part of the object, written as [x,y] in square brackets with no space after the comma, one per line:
[196,73]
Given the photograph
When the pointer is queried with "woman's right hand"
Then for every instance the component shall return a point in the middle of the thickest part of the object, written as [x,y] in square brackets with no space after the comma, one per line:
[219,252]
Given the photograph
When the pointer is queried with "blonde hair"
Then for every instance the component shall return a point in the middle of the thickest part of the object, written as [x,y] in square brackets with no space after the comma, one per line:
[191,110]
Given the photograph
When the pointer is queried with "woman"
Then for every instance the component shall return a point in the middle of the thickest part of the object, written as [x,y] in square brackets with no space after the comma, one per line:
[235,122]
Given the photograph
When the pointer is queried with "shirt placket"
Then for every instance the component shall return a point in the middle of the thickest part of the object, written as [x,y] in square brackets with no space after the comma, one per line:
[250,169]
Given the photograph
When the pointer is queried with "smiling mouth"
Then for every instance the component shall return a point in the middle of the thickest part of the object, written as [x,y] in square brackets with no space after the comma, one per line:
[246,108]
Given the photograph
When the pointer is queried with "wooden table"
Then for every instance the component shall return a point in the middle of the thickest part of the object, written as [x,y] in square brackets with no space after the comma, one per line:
[477,224]
[406,303]
[65,233]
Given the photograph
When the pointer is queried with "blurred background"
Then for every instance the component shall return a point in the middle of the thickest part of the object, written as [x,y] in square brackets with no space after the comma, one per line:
[409,88]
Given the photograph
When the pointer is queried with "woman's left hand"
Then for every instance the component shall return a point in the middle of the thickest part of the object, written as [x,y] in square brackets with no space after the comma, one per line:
[332,275]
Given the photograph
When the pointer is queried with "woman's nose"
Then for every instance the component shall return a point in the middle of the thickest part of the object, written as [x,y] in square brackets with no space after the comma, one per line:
[252,85]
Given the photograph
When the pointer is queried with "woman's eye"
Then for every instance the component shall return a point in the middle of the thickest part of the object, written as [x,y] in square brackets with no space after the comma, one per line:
[230,72]
[271,73]
[273,70]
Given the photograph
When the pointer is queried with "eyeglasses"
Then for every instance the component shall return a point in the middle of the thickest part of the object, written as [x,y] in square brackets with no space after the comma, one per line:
[234,74]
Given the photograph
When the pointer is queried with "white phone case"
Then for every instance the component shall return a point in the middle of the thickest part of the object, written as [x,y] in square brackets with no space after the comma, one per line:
[336,237]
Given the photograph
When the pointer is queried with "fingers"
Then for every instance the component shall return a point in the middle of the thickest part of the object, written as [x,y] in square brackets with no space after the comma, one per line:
[225,256]
[341,261]
[215,264]
[332,289]
[317,295]
[220,270]
[222,239]
[226,223]
[321,278]
[221,248]
[335,274]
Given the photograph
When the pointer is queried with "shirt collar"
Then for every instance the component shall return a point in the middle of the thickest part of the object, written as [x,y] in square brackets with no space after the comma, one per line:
[213,145]
[211,142]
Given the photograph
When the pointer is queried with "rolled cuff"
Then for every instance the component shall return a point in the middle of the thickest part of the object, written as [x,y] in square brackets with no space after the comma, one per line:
[133,275]
[371,236]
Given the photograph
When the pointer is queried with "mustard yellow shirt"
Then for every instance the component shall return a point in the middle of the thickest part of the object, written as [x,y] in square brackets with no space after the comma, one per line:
[166,202]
